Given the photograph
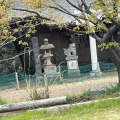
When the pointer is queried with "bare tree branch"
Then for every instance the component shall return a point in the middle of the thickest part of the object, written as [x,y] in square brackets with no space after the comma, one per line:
[19,54]
[69,13]
[30,11]
[79,4]
[70,30]
[78,8]
[62,9]
[87,9]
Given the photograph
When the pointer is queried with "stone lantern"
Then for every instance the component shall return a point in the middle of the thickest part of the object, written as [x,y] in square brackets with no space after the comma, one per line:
[48,66]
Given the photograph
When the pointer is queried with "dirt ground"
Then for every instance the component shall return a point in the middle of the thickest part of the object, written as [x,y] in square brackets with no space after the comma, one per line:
[13,95]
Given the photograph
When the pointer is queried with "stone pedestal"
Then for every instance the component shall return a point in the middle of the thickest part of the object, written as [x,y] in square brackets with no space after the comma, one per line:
[72,64]
[51,69]
[52,73]
[95,73]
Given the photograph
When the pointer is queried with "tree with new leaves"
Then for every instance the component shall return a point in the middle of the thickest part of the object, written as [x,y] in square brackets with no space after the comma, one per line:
[96,17]
[99,15]
[5,37]
[4,28]
[12,31]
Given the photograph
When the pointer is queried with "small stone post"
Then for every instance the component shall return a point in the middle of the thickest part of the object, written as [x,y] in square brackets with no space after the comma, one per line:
[16,76]
[46,86]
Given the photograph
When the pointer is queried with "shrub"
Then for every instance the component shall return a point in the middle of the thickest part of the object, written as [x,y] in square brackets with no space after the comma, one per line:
[36,93]
[86,92]
[112,89]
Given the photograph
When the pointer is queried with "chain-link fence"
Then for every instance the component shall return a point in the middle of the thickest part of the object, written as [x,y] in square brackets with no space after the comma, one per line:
[56,85]
[10,81]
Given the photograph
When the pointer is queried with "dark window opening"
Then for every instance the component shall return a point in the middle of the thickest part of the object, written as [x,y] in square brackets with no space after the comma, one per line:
[82,41]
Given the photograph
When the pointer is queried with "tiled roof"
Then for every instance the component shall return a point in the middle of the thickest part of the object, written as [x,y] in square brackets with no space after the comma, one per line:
[67,6]
[70,8]
[64,3]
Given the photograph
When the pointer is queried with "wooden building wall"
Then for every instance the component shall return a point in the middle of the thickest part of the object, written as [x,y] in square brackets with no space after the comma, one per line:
[61,41]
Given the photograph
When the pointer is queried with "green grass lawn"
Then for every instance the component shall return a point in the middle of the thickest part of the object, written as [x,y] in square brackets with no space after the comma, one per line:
[103,110]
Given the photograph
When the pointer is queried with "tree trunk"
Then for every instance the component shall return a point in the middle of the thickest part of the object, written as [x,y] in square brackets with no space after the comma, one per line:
[118,71]
[115,57]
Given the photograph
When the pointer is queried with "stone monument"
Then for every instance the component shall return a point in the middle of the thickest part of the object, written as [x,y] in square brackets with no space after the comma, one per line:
[72,60]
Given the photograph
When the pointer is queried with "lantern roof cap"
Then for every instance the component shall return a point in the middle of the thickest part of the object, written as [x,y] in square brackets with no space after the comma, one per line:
[46,45]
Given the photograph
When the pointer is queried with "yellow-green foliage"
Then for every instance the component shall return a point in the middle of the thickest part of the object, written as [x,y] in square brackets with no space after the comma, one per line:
[107,45]
[34,3]
[6,32]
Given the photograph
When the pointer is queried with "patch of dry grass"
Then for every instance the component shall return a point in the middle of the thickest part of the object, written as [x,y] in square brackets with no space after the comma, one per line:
[13,95]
